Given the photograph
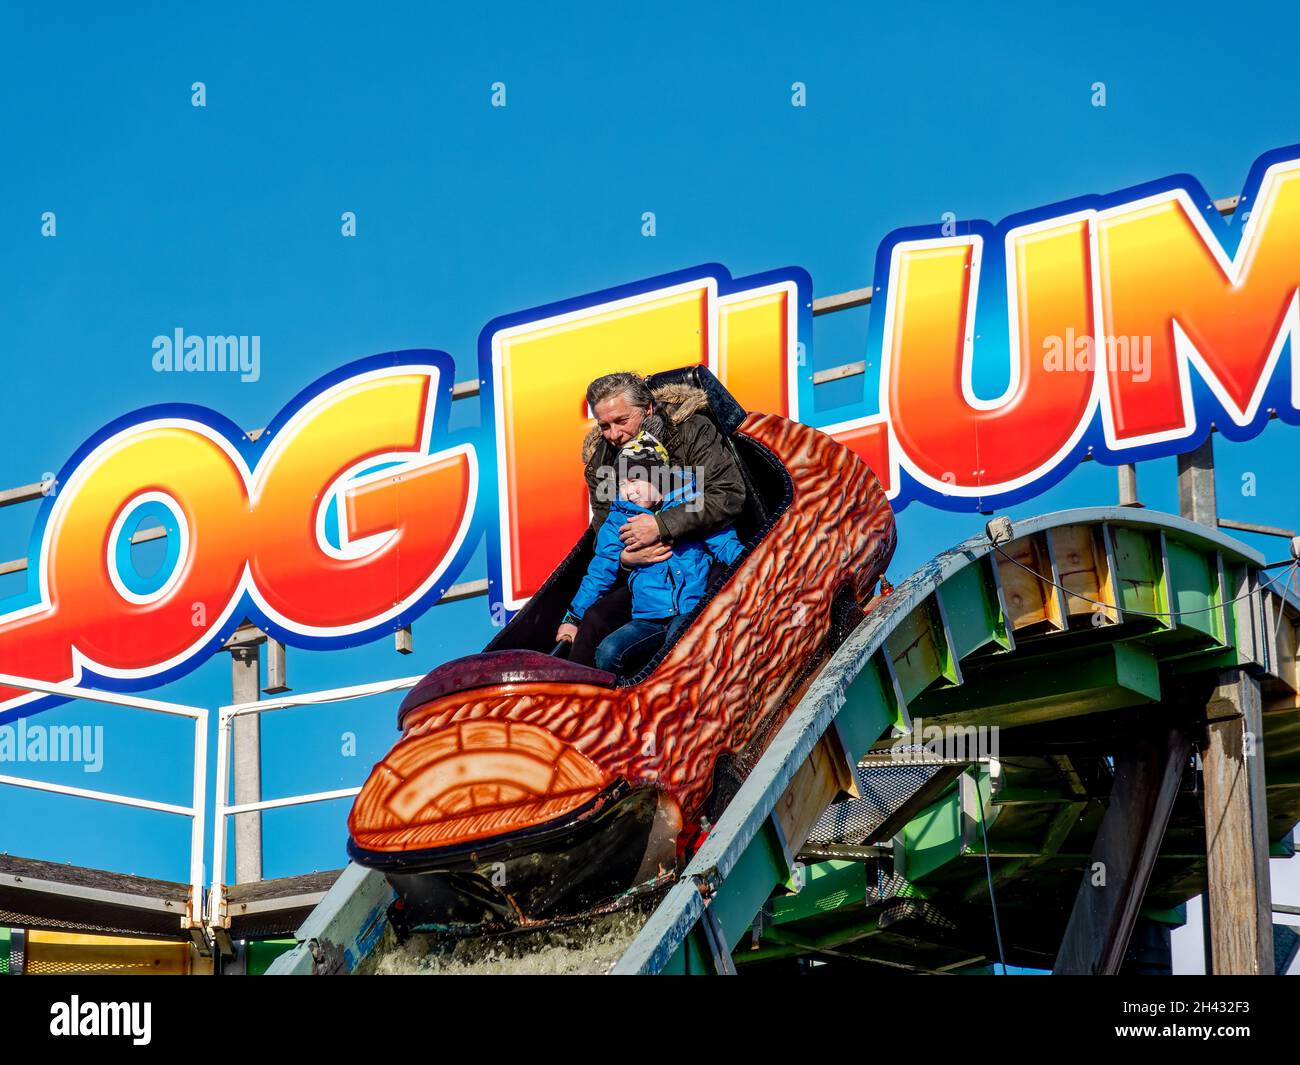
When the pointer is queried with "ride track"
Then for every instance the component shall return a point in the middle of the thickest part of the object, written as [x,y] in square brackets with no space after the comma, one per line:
[1092,642]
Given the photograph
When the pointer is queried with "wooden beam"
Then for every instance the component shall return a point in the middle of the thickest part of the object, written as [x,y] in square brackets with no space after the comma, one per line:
[1083,567]
[1236,829]
[817,783]
[1119,867]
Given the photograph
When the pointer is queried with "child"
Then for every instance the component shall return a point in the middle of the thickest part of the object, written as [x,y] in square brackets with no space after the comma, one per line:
[663,593]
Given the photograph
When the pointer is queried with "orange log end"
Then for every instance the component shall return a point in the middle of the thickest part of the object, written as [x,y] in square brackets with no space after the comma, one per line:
[473,780]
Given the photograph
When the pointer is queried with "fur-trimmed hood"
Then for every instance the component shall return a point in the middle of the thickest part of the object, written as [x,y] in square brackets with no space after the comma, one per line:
[676,402]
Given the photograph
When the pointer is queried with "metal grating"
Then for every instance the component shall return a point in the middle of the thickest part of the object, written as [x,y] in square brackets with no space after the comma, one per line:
[267,925]
[52,924]
[884,884]
[883,790]
[13,951]
[43,967]
[904,910]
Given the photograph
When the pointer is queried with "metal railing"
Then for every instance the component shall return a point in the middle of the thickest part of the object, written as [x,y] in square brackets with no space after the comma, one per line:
[213,917]
[193,918]
[223,809]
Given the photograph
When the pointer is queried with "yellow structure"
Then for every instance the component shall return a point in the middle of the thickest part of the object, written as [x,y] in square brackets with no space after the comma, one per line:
[65,953]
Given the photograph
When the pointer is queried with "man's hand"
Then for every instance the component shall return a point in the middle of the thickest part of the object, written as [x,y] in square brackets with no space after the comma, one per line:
[645,556]
[567,633]
[641,530]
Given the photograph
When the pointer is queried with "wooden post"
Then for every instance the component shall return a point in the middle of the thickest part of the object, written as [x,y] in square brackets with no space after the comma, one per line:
[1123,855]
[1196,500]
[1236,829]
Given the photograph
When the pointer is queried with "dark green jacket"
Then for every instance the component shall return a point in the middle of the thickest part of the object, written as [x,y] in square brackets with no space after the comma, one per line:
[692,442]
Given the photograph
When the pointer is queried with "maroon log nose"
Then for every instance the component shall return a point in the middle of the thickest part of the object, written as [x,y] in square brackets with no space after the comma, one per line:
[498,667]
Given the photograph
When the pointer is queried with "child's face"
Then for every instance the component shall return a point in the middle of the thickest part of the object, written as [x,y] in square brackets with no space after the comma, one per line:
[642,493]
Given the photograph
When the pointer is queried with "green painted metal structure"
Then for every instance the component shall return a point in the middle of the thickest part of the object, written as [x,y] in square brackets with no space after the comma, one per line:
[261,953]
[1086,633]
[1013,674]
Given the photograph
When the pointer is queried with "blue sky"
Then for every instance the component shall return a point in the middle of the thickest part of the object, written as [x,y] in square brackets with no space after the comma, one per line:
[225,219]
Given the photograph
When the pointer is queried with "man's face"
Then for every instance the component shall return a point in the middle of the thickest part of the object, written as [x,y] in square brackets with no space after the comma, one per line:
[619,421]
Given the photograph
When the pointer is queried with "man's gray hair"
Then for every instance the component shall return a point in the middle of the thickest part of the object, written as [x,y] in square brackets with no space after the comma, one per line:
[632,385]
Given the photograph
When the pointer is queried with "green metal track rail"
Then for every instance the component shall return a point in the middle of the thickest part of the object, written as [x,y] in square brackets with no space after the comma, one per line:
[1088,625]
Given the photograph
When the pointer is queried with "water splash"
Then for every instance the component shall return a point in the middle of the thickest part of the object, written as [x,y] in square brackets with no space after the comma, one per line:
[592,947]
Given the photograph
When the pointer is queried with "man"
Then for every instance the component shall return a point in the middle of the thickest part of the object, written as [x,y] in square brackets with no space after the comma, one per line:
[621,403]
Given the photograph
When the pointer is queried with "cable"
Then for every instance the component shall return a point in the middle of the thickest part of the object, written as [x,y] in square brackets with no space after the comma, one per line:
[1144,613]
[1277,625]
[988,872]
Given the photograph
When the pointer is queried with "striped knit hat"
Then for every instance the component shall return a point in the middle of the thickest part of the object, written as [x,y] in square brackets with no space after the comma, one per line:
[643,452]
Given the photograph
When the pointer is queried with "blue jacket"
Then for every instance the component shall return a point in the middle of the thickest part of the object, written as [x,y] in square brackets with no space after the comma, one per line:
[661,589]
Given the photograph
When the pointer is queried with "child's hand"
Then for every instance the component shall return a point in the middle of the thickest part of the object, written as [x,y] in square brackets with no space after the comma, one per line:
[566,632]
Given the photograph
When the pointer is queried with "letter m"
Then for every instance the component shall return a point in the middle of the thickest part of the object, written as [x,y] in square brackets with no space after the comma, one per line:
[1164,275]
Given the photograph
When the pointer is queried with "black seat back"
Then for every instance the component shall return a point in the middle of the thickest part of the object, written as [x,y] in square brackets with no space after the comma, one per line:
[724,411]
[535,623]
[726,415]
